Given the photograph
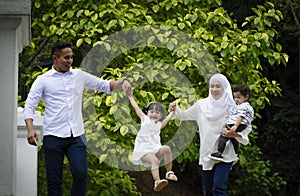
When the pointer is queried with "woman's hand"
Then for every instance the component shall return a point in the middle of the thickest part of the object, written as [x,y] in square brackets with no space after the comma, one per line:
[172,106]
[230,133]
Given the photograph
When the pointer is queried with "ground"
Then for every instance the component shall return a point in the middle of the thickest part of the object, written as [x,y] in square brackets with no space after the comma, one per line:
[189,182]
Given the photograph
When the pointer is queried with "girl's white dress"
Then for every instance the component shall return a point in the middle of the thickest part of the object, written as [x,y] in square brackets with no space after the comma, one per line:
[146,141]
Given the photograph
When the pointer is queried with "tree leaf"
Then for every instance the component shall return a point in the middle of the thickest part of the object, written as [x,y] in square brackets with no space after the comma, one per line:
[165,96]
[79,42]
[124,130]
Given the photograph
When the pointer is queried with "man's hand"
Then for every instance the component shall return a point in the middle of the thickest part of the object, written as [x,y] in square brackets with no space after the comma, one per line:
[32,138]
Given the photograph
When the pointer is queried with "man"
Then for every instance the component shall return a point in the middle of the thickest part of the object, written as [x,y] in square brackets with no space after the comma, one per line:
[61,88]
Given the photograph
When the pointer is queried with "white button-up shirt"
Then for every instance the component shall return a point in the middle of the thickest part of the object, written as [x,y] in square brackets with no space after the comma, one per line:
[62,95]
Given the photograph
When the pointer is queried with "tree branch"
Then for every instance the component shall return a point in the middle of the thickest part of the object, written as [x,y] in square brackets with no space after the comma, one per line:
[294,15]
[36,53]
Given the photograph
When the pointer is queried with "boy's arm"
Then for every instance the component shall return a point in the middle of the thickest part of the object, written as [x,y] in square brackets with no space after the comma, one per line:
[237,123]
[167,119]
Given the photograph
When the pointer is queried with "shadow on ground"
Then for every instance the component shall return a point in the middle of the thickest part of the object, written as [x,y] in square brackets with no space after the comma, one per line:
[189,182]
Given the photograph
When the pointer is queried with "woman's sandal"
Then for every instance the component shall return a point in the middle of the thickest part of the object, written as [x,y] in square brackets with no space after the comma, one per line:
[171,176]
[160,184]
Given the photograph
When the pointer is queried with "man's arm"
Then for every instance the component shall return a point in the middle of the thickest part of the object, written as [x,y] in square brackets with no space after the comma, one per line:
[32,137]
[32,101]
[117,85]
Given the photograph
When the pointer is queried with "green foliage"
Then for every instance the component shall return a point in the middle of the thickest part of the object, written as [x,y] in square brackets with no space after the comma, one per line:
[103,180]
[31,77]
[262,180]
[280,137]
[215,43]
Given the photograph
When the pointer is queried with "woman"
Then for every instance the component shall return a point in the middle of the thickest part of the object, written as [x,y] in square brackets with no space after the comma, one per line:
[211,114]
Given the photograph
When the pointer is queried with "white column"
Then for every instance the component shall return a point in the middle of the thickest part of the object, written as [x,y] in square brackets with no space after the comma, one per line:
[8,106]
[14,34]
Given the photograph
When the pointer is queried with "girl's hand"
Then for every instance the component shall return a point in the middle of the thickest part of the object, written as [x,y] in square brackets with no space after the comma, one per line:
[126,86]
[172,113]
[129,92]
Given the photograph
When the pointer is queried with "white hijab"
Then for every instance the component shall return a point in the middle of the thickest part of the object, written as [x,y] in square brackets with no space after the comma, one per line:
[214,109]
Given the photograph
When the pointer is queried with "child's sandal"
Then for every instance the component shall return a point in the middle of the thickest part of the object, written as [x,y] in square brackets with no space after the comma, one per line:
[171,176]
[160,184]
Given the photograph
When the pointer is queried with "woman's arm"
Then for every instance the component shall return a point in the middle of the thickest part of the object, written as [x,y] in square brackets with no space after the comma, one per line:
[241,137]
[190,113]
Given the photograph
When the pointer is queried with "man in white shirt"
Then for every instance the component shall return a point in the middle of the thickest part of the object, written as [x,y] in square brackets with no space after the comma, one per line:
[61,88]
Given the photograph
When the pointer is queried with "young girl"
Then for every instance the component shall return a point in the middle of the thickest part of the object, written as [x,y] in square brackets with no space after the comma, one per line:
[148,150]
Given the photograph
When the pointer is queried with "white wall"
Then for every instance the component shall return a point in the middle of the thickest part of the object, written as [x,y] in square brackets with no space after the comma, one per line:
[27,157]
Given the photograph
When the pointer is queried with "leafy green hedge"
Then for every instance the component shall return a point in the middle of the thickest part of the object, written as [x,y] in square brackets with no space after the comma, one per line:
[103,180]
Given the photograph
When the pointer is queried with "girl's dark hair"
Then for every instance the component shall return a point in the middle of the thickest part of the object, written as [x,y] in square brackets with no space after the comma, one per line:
[243,89]
[58,46]
[157,107]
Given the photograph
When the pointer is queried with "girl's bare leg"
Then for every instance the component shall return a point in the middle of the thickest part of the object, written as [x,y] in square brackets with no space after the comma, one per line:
[166,153]
[154,161]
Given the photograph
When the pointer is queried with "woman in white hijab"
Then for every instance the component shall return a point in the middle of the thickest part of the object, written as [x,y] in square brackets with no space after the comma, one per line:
[211,114]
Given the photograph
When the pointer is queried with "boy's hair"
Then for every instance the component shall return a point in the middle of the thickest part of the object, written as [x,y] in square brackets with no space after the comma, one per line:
[155,106]
[58,46]
[243,89]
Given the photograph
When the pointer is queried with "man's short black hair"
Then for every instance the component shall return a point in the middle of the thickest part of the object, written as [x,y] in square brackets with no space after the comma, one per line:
[58,46]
